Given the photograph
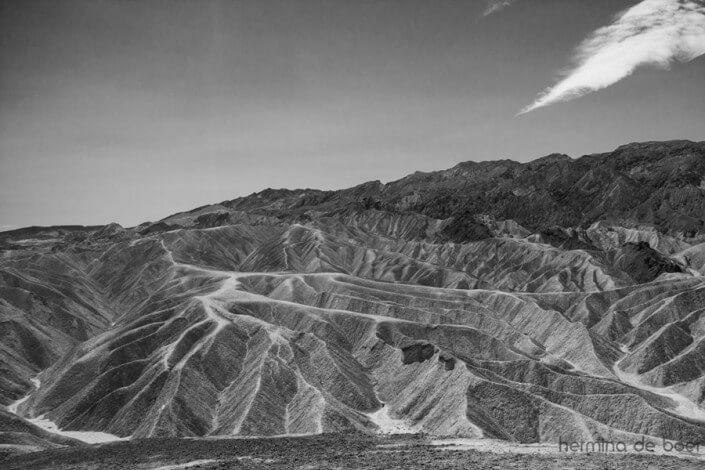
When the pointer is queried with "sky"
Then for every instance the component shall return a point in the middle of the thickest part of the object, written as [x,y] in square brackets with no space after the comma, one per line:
[128,111]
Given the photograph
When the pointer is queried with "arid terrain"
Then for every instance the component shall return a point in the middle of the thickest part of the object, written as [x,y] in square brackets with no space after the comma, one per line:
[521,303]
[331,451]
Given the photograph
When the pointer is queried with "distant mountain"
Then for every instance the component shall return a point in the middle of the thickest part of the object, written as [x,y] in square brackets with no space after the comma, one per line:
[517,301]
[658,184]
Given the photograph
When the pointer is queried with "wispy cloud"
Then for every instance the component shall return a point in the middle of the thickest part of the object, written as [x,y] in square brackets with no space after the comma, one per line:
[651,33]
[493,6]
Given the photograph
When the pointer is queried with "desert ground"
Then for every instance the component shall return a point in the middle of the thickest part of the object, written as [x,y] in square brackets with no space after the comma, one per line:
[335,451]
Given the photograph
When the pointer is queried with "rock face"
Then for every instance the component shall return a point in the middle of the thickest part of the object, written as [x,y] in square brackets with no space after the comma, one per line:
[558,298]
[643,263]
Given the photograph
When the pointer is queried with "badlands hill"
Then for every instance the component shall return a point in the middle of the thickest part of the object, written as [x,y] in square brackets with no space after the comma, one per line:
[525,302]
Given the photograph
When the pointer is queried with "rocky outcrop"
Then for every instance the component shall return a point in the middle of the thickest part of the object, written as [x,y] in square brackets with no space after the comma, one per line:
[643,263]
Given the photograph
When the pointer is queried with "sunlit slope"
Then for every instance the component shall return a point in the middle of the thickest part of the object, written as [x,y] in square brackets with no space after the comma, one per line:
[297,337]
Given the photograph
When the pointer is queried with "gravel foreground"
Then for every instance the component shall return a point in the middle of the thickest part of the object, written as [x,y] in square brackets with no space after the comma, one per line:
[326,452]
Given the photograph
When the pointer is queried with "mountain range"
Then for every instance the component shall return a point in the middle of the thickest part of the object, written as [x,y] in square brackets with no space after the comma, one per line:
[559,298]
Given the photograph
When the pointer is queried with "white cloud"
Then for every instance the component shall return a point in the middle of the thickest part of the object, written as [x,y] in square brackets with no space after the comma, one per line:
[494,6]
[651,33]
